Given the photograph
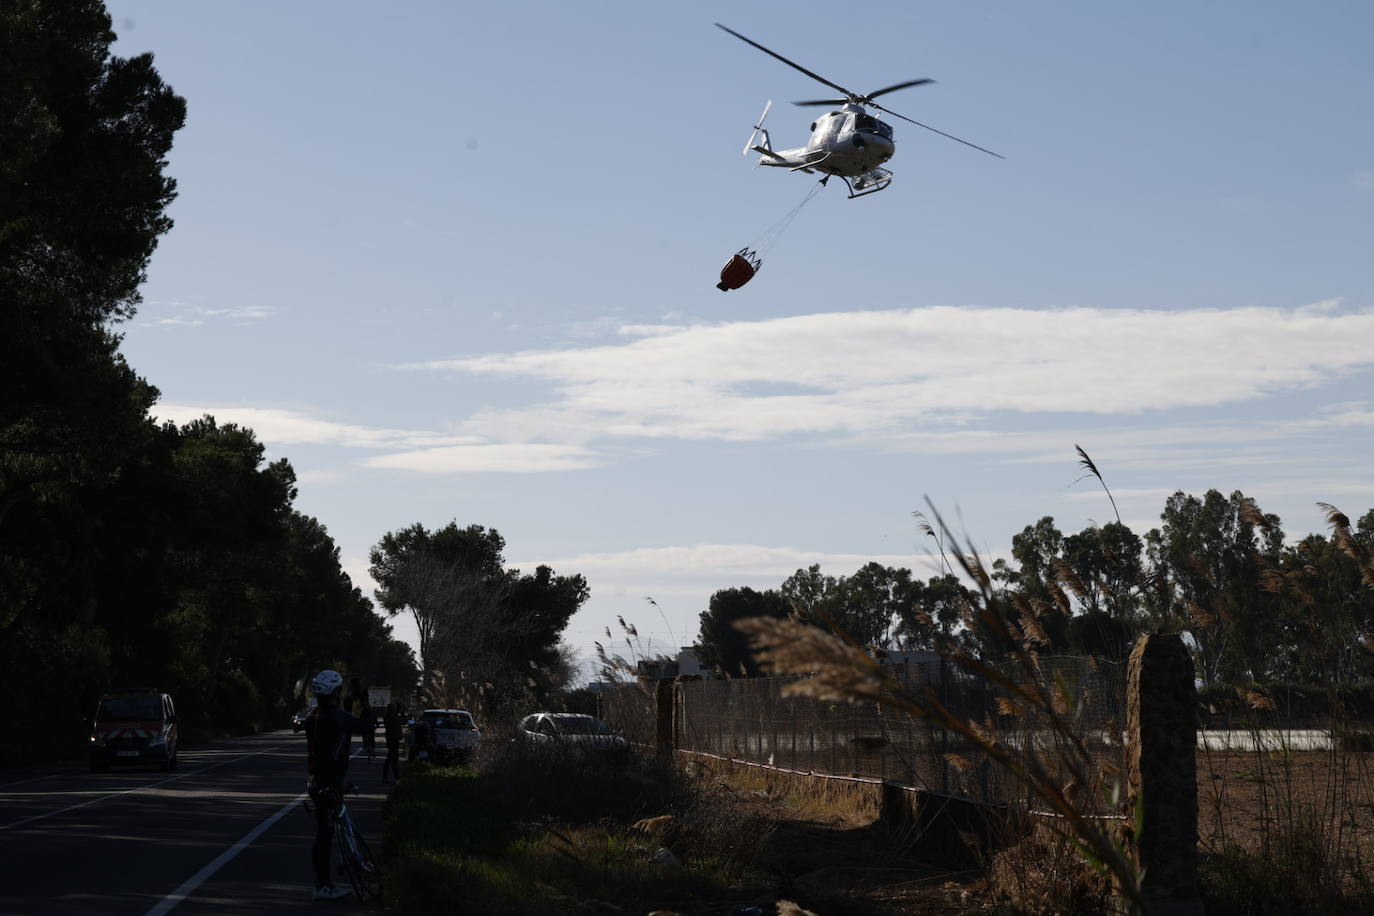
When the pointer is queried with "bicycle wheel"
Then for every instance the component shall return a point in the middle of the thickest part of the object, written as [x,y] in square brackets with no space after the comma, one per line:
[358,863]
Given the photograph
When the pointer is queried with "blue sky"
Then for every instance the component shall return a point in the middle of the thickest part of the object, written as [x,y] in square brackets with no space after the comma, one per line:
[457,261]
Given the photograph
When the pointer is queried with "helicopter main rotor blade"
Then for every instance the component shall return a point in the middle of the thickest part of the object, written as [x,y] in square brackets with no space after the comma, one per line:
[906,85]
[867,99]
[940,132]
[794,66]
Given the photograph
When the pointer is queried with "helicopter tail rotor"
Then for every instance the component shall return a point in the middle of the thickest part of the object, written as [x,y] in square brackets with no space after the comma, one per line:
[759,129]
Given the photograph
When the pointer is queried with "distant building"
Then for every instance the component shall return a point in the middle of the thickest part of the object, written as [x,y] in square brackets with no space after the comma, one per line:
[685,665]
[656,669]
[688,665]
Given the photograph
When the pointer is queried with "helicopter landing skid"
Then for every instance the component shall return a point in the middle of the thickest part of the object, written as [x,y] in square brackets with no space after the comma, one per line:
[870,182]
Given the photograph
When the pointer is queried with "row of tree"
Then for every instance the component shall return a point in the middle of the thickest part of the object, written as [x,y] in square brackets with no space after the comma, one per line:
[1257,608]
[131,552]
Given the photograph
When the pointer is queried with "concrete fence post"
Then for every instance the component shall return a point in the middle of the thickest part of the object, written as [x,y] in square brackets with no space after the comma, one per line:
[1161,735]
[663,733]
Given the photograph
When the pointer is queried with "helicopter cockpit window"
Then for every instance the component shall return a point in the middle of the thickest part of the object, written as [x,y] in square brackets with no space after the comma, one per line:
[872,125]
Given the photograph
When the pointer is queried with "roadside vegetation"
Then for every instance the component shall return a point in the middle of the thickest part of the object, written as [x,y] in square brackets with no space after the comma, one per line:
[141,552]
[534,833]
[132,551]
[531,833]
[1281,638]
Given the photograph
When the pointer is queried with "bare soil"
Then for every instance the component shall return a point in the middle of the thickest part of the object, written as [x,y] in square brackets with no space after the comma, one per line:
[1246,799]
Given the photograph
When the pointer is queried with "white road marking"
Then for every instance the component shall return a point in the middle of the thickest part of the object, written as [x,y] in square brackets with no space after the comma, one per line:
[199,878]
[142,788]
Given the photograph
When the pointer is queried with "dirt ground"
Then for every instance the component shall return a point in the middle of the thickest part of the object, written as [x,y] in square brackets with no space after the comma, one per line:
[1245,799]
[829,853]
[836,859]
[837,870]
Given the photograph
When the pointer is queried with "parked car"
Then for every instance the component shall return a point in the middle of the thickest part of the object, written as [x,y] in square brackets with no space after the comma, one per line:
[444,735]
[571,730]
[134,725]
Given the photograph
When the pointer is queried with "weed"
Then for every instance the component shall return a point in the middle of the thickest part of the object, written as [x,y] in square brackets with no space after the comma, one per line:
[1060,770]
[535,832]
[1044,873]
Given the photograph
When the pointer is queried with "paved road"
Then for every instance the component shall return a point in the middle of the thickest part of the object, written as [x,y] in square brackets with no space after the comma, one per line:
[223,833]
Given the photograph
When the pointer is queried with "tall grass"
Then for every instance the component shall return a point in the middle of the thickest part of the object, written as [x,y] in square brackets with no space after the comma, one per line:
[1284,826]
[1287,806]
[536,832]
[1058,769]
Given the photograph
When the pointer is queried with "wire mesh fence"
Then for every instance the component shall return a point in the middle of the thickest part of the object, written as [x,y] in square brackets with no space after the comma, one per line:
[750,719]
[1284,766]
[629,709]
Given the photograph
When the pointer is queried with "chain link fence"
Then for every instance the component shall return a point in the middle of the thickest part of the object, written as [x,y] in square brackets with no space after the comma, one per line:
[750,719]
[630,709]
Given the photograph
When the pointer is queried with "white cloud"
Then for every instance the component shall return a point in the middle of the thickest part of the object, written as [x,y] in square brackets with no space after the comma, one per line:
[408,450]
[512,457]
[742,559]
[1150,495]
[1354,413]
[649,330]
[286,427]
[321,477]
[700,569]
[245,313]
[883,372]
[195,316]
[1117,446]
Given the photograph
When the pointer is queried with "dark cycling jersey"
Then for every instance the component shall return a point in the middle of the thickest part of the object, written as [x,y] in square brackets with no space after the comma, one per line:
[327,733]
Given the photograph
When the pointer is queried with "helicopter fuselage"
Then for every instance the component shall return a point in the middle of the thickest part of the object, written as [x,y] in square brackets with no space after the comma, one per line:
[847,141]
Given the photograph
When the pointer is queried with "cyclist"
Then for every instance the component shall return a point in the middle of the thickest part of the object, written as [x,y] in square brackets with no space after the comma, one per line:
[328,730]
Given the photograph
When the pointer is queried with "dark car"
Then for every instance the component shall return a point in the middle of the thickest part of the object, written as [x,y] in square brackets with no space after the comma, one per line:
[298,719]
[134,725]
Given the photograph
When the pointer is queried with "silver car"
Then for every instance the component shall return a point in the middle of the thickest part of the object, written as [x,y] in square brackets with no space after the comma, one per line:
[445,734]
[571,730]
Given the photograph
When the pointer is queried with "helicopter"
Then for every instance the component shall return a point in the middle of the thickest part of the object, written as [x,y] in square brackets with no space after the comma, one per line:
[847,141]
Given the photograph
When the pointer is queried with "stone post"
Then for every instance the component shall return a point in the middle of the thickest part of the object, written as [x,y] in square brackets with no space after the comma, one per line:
[1161,735]
[664,732]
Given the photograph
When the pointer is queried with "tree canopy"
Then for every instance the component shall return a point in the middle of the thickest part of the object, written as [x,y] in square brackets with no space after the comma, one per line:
[131,551]
[1253,607]
[719,644]
[488,635]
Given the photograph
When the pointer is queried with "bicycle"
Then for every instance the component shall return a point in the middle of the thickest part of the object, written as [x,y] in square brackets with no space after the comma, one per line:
[352,855]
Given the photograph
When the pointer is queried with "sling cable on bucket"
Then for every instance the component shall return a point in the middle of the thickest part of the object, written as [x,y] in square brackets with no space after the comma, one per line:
[743,264]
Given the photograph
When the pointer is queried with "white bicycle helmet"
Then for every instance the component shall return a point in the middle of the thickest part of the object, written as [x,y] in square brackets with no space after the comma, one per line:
[326,682]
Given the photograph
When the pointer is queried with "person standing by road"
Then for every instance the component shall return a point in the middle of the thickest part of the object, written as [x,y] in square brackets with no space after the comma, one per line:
[328,730]
[394,723]
[369,720]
